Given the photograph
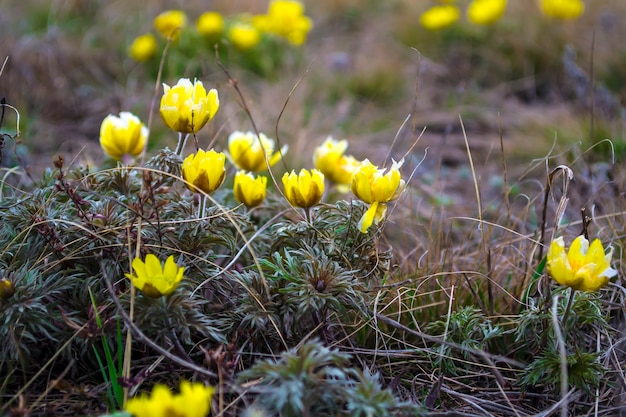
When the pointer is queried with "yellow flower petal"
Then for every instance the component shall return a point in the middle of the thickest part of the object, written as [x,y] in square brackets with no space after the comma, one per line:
[582,267]
[153,279]
[248,152]
[368,217]
[210,25]
[562,9]
[123,136]
[143,47]
[440,17]
[249,190]
[187,107]
[170,23]
[486,12]
[304,189]
[204,170]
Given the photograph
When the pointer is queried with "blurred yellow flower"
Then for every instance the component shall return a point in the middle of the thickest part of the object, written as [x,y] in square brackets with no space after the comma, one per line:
[562,9]
[143,47]
[329,158]
[583,267]
[123,137]
[7,289]
[154,279]
[305,189]
[187,107]
[170,23]
[205,171]
[210,25]
[244,36]
[249,190]
[194,400]
[376,188]
[248,152]
[440,17]
[486,12]
[286,19]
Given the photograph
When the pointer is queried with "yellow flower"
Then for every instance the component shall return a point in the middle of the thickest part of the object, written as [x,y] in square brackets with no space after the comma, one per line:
[305,189]
[486,12]
[187,107]
[249,190]
[170,23]
[244,36]
[194,400]
[154,279]
[583,267]
[143,47]
[562,9]
[440,17]
[286,19]
[204,171]
[124,136]
[7,289]
[248,152]
[376,188]
[210,25]
[329,158]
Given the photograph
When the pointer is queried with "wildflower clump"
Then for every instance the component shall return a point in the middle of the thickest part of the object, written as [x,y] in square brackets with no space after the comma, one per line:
[123,136]
[285,19]
[256,42]
[194,400]
[154,279]
[583,267]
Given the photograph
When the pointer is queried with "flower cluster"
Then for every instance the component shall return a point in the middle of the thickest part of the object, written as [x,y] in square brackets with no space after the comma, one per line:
[185,108]
[487,12]
[284,21]
[194,400]
[169,25]
[479,12]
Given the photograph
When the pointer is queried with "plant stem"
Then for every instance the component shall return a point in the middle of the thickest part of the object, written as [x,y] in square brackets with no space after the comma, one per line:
[182,140]
[570,301]
[202,206]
